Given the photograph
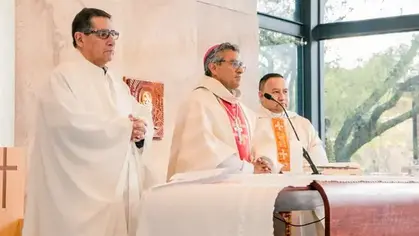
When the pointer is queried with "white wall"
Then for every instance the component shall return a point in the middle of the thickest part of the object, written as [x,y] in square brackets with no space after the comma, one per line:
[161,40]
[7,72]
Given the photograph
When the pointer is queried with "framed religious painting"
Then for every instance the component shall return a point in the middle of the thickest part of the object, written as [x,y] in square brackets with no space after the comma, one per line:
[147,92]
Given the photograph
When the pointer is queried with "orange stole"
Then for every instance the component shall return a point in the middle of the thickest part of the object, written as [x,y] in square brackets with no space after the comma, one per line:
[282,143]
[238,124]
[283,157]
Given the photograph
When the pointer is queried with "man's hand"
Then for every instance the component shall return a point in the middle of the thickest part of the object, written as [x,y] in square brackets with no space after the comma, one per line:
[139,129]
[262,167]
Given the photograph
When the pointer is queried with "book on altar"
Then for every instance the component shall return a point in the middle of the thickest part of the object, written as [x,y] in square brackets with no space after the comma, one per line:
[340,168]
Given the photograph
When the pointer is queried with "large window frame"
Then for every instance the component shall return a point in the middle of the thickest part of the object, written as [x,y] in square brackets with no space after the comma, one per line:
[291,28]
[313,31]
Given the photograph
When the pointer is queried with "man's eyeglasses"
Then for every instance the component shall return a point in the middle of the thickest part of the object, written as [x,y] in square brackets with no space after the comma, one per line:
[103,33]
[234,63]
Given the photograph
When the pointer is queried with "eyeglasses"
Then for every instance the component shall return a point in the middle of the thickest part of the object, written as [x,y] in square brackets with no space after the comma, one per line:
[103,33]
[235,64]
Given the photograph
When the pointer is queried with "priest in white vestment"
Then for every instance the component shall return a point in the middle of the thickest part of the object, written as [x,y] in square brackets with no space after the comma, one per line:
[275,139]
[86,172]
[213,128]
[276,142]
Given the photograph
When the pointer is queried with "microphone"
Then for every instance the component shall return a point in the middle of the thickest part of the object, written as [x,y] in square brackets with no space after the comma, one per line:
[305,153]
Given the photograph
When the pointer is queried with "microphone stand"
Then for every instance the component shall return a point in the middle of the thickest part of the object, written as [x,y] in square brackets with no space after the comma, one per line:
[305,153]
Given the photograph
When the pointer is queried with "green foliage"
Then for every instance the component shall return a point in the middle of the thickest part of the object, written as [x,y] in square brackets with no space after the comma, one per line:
[286,9]
[359,98]
[347,89]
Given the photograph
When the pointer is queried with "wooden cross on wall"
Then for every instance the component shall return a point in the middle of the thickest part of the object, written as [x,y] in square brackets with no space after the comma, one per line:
[4,168]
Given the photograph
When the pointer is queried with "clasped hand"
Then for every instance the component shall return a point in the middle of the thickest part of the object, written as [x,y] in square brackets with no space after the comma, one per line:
[139,129]
[262,166]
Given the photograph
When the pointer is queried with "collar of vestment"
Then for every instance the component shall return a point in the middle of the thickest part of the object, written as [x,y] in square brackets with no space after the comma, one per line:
[218,89]
[265,113]
[89,67]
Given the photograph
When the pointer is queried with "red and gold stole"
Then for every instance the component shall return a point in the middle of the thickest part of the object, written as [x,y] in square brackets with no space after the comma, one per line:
[282,143]
[240,128]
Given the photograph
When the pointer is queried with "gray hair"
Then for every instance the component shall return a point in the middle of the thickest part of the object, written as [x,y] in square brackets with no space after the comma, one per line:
[212,55]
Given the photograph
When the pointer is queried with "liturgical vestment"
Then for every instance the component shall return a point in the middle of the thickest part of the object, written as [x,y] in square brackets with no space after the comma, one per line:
[85,175]
[213,130]
[274,139]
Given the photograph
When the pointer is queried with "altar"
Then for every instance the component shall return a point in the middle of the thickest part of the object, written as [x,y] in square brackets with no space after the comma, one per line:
[219,204]
[248,205]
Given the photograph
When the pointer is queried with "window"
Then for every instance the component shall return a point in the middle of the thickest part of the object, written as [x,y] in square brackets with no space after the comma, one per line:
[371,85]
[285,9]
[352,10]
[279,53]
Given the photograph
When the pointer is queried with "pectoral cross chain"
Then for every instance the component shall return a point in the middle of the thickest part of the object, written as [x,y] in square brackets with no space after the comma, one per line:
[239,130]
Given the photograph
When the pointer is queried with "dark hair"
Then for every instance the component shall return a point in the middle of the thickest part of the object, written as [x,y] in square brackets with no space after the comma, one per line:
[83,20]
[266,77]
[211,56]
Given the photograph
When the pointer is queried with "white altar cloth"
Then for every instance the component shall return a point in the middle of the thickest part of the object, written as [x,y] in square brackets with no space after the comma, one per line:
[215,203]
[232,205]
